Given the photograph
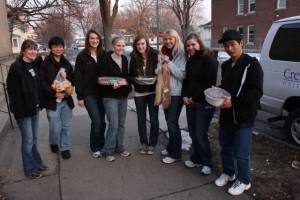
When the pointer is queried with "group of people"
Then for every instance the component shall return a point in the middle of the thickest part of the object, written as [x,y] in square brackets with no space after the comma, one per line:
[192,69]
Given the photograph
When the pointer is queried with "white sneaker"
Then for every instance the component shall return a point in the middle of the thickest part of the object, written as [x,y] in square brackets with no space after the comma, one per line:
[238,188]
[125,153]
[191,164]
[150,150]
[97,154]
[164,153]
[223,179]
[110,158]
[143,150]
[169,160]
[205,170]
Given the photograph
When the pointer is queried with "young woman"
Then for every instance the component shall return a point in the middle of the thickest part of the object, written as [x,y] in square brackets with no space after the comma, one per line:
[24,94]
[115,64]
[142,64]
[87,89]
[174,58]
[201,73]
[59,114]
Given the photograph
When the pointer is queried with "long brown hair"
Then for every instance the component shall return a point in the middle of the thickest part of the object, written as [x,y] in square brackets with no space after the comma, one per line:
[134,45]
[87,44]
[199,41]
[27,44]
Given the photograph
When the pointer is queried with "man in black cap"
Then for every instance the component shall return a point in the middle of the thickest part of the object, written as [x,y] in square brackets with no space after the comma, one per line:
[242,77]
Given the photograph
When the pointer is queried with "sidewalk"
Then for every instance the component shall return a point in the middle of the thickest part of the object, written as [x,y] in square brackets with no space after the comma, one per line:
[137,177]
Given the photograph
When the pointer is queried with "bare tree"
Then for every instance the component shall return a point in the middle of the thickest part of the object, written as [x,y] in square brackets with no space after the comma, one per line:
[107,20]
[182,10]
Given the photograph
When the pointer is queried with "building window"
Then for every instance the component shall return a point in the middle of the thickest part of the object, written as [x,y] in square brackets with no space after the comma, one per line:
[240,6]
[240,29]
[250,34]
[251,6]
[15,43]
[281,3]
[225,29]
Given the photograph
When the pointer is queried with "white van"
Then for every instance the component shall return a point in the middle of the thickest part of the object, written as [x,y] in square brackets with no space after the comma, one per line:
[280,60]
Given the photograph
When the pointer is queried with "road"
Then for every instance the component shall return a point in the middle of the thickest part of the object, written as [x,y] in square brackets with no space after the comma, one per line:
[274,129]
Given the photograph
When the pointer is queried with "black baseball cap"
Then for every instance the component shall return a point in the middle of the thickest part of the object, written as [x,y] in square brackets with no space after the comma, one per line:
[231,35]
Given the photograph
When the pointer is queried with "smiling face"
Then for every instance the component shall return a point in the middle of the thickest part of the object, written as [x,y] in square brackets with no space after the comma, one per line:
[94,40]
[234,49]
[119,46]
[192,45]
[141,46]
[169,41]
[30,54]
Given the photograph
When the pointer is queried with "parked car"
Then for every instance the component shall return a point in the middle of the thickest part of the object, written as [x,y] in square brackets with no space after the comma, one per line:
[280,60]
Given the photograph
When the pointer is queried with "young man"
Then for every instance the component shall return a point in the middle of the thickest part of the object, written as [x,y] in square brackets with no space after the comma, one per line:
[242,77]
[58,105]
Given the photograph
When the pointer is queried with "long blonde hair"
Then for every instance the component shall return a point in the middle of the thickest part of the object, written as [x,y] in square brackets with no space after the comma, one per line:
[178,47]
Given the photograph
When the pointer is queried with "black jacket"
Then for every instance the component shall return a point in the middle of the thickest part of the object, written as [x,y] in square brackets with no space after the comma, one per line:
[108,67]
[21,90]
[201,73]
[245,95]
[86,75]
[136,70]
[48,71]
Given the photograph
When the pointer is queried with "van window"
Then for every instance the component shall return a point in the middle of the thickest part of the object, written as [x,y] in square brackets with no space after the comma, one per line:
[286,43]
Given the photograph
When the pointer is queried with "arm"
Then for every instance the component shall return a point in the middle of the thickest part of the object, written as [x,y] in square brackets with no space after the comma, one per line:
[78,75]
[178,70]
[45,86]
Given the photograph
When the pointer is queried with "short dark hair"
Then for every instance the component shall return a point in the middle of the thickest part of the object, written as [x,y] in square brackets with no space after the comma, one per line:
[56,40]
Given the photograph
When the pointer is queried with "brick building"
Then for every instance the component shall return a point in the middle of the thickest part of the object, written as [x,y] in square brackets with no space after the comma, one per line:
[5,47]
[252,18]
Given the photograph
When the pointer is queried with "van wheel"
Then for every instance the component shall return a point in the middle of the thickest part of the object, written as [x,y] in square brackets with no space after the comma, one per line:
[292,126]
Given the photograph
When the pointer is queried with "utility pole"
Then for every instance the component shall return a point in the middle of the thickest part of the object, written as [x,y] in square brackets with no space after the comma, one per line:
[157,25]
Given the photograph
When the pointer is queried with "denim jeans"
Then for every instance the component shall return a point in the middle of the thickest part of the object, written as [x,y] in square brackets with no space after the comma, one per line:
[236,145]
[172,115]
[95,109]
[141,104]
[60,123]
[115,110]
[198,120]
[30,155]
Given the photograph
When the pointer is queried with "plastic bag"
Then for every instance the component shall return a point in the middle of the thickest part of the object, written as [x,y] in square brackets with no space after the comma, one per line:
[62,85]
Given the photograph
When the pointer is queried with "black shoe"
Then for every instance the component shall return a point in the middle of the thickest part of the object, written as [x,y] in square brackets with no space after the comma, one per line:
[42,169]
[36,175]
[66,154]
[54,148]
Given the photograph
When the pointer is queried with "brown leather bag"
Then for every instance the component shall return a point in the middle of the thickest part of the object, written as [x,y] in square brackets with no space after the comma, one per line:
[159,88]
[166,85]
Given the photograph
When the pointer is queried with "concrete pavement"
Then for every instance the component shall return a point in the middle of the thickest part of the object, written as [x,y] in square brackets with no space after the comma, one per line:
[137,177]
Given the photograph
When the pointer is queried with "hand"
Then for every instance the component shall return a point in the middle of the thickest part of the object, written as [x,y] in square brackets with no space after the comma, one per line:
[187,101]
[81,103]
[63,74]
[227,102]
[60,95]
[116,86]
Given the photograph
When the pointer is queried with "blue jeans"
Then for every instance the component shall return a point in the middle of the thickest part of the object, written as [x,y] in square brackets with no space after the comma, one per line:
[198,120]
[116,110]
[141,109]
[172,115]
[236,145]
[95,108]
[30,155]
[60,123]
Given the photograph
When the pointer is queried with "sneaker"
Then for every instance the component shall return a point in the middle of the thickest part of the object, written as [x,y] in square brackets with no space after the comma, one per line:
[223,179]
[97,154]
[110,158]
[42,169]
[238,188]
[125,153]
[36,175]
[143,149]
[191,164]
[205,170]
[54,148]
[164,153]
[169,160]
[66,154]
[150,150]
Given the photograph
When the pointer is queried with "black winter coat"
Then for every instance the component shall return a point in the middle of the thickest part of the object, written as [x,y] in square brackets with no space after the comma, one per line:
[245,95]
[21,90]
[201,73]
[86,75]
[48,71]
[108,67]
[136,70]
